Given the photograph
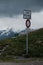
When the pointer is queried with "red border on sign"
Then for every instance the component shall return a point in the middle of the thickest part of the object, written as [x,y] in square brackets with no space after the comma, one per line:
[29,23]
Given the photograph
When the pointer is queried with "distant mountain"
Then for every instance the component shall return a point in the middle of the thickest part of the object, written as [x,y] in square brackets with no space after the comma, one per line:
[23,32]
[8,33]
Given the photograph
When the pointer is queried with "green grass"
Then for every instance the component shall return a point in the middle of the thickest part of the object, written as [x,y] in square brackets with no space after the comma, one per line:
[18,44]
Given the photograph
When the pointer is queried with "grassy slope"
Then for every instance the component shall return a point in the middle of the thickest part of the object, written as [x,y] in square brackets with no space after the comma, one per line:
[17,45]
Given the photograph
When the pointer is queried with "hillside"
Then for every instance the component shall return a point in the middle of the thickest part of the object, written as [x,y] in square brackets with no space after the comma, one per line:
[17,46]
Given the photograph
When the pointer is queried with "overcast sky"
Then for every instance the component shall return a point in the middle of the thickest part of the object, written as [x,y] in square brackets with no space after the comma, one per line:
[11,14]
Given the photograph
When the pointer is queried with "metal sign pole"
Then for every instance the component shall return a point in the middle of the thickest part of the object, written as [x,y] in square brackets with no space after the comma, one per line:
[27,41]
[27,15]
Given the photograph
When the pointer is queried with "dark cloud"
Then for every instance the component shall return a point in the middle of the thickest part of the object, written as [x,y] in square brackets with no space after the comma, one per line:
[14,7]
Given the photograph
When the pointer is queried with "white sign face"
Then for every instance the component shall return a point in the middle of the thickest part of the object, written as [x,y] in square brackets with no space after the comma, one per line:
[28,23]
[27,14]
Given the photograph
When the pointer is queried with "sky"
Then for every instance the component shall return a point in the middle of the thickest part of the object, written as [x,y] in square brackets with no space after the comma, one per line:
[11,14]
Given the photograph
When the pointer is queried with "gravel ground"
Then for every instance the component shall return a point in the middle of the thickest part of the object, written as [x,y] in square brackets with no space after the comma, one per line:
[28,63]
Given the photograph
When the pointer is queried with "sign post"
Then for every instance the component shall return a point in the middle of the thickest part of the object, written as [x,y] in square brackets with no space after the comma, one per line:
[27,15]
[27,41]
[27,25]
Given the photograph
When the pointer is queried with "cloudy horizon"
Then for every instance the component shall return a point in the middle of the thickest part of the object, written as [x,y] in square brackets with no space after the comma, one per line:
[11,14]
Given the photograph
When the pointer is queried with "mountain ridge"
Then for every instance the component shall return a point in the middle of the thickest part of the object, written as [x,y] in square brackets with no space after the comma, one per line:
[8,33]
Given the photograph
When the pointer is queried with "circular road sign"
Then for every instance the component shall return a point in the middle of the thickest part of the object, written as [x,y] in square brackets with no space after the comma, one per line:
[28,23]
